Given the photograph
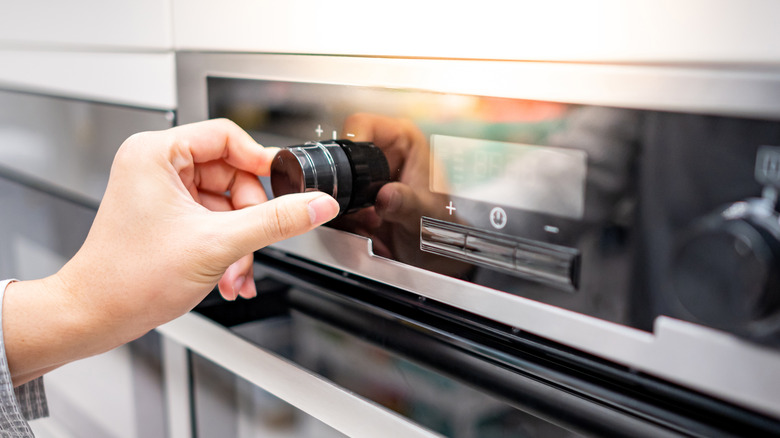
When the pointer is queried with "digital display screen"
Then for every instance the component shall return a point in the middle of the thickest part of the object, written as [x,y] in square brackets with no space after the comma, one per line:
[542,179]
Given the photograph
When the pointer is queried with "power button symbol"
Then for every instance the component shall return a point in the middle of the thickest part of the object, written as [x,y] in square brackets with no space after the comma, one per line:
[498,218]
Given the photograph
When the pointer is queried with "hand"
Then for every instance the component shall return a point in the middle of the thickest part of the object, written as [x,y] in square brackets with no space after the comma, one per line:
[182,210]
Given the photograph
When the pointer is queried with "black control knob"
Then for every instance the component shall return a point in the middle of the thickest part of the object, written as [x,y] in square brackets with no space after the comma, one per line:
[726,271]
[351,172]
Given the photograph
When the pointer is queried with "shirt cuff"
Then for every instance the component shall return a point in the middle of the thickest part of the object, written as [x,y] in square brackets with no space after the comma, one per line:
[17,405]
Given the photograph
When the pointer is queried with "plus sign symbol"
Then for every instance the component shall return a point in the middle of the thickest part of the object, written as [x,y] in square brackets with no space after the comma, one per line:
[498,218]
[451,208]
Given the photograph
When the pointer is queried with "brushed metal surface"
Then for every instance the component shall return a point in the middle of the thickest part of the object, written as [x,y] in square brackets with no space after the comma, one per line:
[334,406]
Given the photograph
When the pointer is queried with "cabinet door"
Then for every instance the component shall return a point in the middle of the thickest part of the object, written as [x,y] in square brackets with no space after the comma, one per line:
[55,157]
[67,145]
[138,24]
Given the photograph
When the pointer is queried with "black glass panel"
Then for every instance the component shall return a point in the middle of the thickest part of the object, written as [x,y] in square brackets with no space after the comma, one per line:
[594,209]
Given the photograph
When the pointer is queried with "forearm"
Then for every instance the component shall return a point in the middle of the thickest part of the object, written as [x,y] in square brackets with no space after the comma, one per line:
[44,327]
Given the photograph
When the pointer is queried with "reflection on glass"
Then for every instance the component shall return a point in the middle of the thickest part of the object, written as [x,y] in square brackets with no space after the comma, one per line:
[228,406]
[419,393]
[552,173]
[536,178]
[68,144]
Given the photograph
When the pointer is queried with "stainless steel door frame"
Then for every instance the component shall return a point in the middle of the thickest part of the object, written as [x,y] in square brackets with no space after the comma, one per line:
[336,407]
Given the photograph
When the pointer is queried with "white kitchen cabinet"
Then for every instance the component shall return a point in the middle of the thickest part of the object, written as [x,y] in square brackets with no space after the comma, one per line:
[114,52]
[697,31]
[145,80]
[87,24]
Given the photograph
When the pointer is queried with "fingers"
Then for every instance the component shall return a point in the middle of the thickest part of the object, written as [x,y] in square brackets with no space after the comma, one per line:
[246,191]
[212,158]
[218,139]
[257,226]
[363,222]
[238,280]
[214,202]
[395,137]
[379,129]
[219,177]
[398,203]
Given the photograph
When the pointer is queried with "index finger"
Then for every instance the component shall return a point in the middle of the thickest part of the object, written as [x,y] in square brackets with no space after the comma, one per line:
[216,139]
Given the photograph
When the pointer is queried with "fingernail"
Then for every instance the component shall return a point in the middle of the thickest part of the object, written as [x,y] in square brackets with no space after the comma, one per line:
[237,285]
[252,290]
[393,202]
[322,209]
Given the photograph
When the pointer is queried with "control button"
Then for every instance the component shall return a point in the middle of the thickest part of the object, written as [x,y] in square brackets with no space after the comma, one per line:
[726,267]
[496,252]
[498,218]
[726,271]
[768,166]
[555,265]
[351,172]
[441,237]
[548,263]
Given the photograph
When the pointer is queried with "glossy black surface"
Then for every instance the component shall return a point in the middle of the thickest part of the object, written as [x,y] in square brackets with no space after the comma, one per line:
[362,334]
[622,188]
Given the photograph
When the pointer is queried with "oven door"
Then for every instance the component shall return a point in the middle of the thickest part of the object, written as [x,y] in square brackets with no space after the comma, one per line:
[318,353]
[639,154]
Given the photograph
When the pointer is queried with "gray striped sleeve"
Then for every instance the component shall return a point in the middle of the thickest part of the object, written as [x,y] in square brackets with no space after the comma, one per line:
[17,405]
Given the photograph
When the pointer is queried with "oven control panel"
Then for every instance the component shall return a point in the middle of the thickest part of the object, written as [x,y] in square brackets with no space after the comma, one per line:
[621,214]
[543,262]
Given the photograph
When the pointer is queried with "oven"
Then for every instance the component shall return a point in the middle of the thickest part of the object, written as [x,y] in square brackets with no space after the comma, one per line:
[579,249]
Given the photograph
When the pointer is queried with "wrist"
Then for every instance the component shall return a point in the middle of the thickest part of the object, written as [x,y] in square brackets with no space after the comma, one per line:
[45,326]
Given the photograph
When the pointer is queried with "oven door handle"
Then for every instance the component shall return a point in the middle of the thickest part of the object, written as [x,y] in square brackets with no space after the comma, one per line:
[331,404]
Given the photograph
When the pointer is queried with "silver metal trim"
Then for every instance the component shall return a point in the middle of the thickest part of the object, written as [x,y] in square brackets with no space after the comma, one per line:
[313,168]
[176,372]
[704,359]
[332,169]
[334,406]
[748,91]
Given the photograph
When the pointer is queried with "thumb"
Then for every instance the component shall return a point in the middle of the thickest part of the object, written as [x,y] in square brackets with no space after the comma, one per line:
[252,228]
